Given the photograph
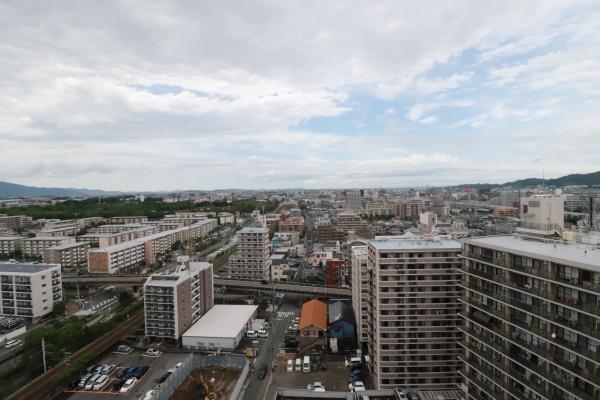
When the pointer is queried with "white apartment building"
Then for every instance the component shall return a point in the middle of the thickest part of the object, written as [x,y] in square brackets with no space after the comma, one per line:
[136,219]
[115,228]
[251,260]
[175,299]
[68,255]
[360,291]
[114,258]
[29,290]
[413,309]
[9,245]
[34,247]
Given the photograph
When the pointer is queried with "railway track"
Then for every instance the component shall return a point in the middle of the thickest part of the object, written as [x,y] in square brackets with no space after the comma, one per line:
[39,388]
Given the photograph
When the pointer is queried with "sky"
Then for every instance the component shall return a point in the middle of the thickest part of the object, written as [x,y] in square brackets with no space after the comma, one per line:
[167,95]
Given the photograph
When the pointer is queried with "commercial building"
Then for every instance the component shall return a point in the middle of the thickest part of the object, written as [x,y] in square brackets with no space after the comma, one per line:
[542,215]
[114,258]
[10,245]
[413,305]
[360,290]
[531,319]
[29,290]
[251,260]
[221,328]
[15,222]
[68,255]
[313,327]
[34,247]
[175,299]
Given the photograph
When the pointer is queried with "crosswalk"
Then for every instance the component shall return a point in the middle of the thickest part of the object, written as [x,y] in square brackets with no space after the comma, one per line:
[286,314]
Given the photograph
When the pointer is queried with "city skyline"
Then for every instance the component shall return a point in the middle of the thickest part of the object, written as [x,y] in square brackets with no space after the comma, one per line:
[137,96]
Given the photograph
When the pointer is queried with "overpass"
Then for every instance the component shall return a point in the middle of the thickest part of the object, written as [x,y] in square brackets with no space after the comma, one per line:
[314,290]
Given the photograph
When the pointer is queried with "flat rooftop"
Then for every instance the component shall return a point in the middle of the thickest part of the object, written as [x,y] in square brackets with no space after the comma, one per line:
[11,237]
[69,246]
[222,321]
[415,244]
[253,230]
[25,268]
[569,253]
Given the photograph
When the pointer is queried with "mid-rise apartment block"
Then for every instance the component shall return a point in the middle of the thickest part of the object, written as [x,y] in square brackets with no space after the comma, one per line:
[174,300]
[413,307]
[531,319]
[35,246]
[542,215]
[15,222]
[360,291]
[136,219]
[68,255]
[29,290]
[114,258]
[10,245]
[350,221]
[251,260]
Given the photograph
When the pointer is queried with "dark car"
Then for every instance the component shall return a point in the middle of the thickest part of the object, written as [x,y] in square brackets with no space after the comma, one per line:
[262,372]
[92,368]
[74,384]
[164,377]
[117,384]
[322,363]
[131,372]
[122,372]
[141,371]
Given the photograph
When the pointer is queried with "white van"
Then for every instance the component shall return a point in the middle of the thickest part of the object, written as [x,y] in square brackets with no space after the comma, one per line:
[290,366]
[13,343]
[298,367]
[252,334]
[306,364]
[101,382]
[353,362]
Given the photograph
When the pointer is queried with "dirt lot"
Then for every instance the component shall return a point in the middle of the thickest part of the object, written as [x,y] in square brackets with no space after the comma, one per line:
[219,381]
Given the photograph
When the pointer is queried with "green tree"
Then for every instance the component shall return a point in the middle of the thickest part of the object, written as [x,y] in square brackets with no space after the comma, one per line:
[125,298]
[59,309]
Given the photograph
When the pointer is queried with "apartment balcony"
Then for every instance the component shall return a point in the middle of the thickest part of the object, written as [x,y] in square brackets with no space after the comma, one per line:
[493,386]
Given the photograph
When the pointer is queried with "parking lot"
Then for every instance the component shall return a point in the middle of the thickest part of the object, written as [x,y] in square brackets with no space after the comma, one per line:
[335,377]
[157,367]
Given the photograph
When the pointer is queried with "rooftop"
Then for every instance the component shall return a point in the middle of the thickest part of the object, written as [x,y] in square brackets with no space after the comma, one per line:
[314,312]
[222,320]
[69,245]
[569,253]
[25,268]
[118,247]
[400,243]
[11,237]
[254,230]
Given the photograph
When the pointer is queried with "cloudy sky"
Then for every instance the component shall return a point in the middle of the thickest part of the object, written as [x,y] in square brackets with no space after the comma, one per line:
[147,95]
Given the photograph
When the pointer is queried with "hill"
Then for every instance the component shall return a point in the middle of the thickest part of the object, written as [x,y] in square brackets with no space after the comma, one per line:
[14,190]
[591,179]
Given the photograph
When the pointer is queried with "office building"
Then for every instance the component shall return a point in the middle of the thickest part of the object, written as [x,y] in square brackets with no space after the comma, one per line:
[68,255]
[251,260]
[10,245]
[413,307]
[29,290]
[175,300]
[34,247]
[531,319]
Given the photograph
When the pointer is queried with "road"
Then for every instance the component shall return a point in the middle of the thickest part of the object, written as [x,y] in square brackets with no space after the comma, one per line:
[257,388]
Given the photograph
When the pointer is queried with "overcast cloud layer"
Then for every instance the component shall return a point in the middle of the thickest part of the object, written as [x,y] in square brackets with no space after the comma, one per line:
[140,95]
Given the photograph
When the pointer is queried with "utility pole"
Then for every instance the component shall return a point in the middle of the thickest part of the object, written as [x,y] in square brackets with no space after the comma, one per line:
[44,353]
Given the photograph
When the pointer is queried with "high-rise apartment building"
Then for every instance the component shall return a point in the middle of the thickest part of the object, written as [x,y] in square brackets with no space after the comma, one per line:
[29,290]
[354,200]
[174,300]
[251,260]
[531,319]
[360,291]
[413,307]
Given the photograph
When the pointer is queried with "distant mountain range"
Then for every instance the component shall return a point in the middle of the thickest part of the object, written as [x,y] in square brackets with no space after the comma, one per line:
[14,190]
[591,179]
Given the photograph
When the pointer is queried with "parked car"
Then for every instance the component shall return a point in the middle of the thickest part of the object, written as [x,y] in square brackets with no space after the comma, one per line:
[262,372]
[322,363]
[352,362]
[263,333]
[400,395]
[108,369]
[117,384]
[357,386]
[74,384]
[90,383]
[141,371]
[121,372]
[290,366]
[298,365]
[13,343]
[83,380]
[315,387]
[128,385]
[164,377]
[252,334]
[152,352]
[90,370]
[123,348]
[101,382]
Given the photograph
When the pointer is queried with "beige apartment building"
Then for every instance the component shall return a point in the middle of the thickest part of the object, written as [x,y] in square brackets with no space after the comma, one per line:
[413,307]
[360,291]
[68,255]
[34,247]
[115,228]
[29,290]
[174,300]
[15,222]
[9,245]
[114,258]
[251,260]
[531,311]
[350,221]
[136,219]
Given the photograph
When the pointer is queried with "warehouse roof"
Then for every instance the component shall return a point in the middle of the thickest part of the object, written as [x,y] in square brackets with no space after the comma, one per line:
[222,321]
